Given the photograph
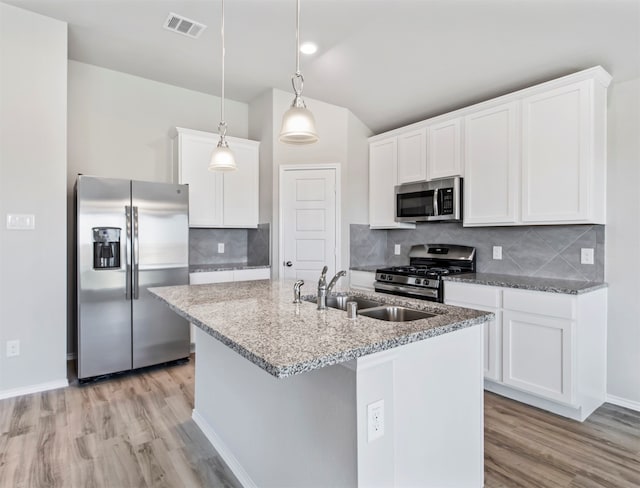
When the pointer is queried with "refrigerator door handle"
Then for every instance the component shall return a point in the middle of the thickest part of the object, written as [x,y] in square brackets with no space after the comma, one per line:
[136,254]
[127,211]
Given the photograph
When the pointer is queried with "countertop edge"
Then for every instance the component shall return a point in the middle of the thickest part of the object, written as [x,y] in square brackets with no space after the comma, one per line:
[520,282]
[206,268]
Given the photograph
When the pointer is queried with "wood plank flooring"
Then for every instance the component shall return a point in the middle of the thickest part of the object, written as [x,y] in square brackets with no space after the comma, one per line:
[136,431]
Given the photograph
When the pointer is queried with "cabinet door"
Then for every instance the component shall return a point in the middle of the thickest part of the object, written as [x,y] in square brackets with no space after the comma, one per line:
[383,176]
[205,187]
[536,354]
[557,154]
[444,149]
[362,279]
[491,146]
[412,157]
[240,200]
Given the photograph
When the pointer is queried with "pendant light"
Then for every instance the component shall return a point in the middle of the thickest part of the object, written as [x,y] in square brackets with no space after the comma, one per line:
[222,157]
[298,124]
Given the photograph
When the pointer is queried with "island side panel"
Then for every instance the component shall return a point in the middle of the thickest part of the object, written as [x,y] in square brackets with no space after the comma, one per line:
[293,432]
[439,411]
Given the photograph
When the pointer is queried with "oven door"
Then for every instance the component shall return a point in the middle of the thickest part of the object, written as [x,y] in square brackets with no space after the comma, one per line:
[413,206]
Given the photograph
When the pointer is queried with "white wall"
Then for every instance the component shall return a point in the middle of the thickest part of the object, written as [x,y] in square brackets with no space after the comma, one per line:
[33,154]
[121,126]
[343,140]
[622,268]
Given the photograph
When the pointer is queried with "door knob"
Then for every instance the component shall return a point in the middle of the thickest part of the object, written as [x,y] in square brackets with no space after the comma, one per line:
[288,264]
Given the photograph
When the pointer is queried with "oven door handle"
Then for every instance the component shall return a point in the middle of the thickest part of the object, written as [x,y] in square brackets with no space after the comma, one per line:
[422,292]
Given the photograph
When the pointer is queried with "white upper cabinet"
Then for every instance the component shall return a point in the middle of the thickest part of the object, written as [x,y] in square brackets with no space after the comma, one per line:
[539,157]
[492,166]
[412,157]
[559,156]
[535,156]
[444,149]
[383,177]
[217,199]
[241,187]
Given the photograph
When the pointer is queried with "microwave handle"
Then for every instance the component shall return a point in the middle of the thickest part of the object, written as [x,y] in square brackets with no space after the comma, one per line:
[435,202]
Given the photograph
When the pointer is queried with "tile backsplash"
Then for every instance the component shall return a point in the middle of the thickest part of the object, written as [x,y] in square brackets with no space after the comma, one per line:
[250,246]
[550,251]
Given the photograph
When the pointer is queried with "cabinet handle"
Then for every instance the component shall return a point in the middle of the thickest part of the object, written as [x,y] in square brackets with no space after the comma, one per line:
[288,264]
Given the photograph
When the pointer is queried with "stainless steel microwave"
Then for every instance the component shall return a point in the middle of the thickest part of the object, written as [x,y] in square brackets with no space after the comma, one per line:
[429,201]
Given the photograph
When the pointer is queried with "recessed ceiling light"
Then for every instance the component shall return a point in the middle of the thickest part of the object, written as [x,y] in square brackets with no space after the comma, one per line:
[308,47]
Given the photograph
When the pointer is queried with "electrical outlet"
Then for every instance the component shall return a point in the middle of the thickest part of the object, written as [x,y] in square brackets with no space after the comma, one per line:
[497,252]
[396,249]
[586,255]
[13,348]
[375,420]
[220,247]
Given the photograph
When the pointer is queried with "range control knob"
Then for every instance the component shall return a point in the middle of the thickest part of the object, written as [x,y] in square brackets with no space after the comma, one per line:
[418,281]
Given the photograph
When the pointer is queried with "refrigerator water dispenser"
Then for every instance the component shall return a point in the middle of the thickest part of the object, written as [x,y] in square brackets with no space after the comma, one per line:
[106,247]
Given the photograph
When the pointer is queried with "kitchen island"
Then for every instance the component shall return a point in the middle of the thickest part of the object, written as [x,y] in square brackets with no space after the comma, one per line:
[293,396]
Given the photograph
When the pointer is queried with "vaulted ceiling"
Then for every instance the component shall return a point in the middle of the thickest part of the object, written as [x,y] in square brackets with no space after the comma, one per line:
[391,62]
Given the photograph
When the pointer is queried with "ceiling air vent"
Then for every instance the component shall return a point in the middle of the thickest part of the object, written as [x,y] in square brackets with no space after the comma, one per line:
[182,25]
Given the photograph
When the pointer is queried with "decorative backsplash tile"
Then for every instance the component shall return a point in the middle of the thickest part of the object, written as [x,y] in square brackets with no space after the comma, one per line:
[367,247]
[258,245]
[249,246]
[551,251]
[203,246]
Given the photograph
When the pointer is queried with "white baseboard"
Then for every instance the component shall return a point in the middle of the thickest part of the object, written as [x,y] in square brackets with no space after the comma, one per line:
[27,390]
[623,402]
[222,449]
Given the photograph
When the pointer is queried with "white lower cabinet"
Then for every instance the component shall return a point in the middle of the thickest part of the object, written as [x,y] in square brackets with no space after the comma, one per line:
[362,279]
[487,299]
[544,349]
[537,354]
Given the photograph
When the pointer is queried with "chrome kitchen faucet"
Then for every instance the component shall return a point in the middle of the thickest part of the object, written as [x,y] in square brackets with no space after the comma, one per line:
[324,289]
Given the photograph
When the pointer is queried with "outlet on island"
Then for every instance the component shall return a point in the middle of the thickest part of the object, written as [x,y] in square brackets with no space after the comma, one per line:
[220,247]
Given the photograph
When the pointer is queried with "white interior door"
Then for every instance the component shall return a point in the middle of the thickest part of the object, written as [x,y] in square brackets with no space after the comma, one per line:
[309,223]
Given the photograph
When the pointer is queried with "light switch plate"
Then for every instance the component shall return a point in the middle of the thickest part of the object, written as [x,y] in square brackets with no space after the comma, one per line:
[21,221]
[220,247]
[497,252]
[586,255]
[396,249]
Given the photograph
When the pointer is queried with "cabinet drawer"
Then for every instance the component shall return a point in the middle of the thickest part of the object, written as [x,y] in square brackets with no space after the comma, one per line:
[471,294]
[541,303]
[210,277]
[252,274]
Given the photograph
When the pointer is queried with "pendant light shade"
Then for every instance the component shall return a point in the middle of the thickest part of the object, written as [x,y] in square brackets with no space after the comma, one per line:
[222,158]
[298,123]
[298,126]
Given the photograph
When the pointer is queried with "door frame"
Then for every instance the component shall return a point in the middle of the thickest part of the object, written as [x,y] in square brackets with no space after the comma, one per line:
[297,167]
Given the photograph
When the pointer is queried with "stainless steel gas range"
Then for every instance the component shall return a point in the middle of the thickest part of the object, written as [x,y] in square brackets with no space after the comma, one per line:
[422,277]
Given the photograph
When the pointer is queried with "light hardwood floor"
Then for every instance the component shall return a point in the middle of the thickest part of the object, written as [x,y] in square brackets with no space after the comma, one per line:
[136,431]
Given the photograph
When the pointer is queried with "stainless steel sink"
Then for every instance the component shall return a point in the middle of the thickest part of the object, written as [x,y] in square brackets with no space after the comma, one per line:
[340,302]
[394,313]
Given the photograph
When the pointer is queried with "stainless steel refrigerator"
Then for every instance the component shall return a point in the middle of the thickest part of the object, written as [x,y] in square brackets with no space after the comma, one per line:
[130,235]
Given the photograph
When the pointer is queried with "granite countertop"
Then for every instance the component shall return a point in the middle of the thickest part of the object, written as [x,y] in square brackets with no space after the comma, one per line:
[550,285]
[258,320]
[203,268]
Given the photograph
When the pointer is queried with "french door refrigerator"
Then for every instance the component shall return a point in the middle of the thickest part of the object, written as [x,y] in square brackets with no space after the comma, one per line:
[130,235]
